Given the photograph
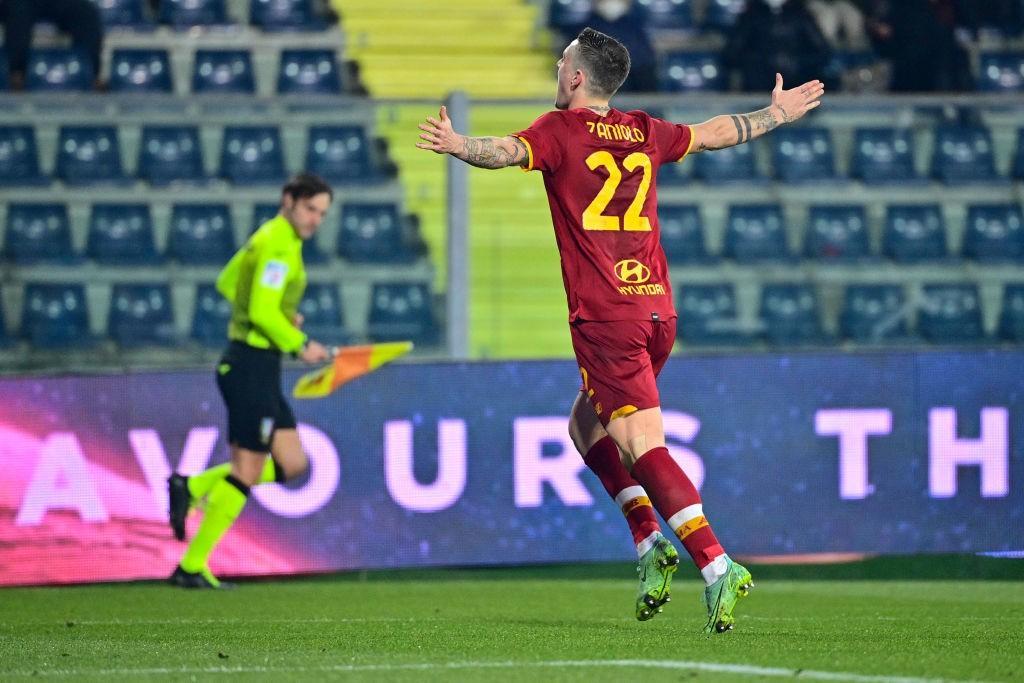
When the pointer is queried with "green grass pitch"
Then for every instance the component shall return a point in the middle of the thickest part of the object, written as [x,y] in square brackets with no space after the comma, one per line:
[536,624]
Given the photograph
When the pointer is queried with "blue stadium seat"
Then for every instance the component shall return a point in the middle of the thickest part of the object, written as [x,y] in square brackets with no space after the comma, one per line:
[721,14]
[141,315]
[55,315]
[400,311]
[678,173]
[121,234]
[1018,159]
[803,155]
[691,72]
[340,154]
[566,14]
[789,313]
[994,232]
[950,314]
[144,71]
[736,164]
[755,232]
[883,155]
[89,155]
[19,157]
[308,72]
[372,233]
[837,233]
[311,252]
[707,316]
[914,233]
[682,233]
[38,233]
[223,71]
[667,14]
[1001,72]
[252,155]
[963,154]
[324,318]
[261,213]
[1011,315]
[284,15]
[171,154]
[182,14]
[210,317]
[124,14]
[58,70]
[201,234]
[874,314]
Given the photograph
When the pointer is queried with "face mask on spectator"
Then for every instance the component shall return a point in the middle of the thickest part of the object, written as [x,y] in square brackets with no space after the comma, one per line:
[610,10]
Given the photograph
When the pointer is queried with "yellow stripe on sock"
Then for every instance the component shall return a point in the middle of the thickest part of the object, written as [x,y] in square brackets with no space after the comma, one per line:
[689,527]
[634,503]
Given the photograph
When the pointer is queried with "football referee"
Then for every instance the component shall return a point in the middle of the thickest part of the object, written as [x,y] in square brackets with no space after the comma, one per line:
[264,282]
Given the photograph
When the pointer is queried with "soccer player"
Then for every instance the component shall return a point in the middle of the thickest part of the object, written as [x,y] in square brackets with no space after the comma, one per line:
[264,282]
[600,166]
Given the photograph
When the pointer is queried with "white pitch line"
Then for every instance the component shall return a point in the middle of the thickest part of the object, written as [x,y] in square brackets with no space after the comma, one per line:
[219,620]
[709,667]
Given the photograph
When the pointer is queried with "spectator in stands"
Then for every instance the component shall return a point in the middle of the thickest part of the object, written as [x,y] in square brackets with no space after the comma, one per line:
[841,23]
[776,36]
[78,18]
[623,20]
[918,37]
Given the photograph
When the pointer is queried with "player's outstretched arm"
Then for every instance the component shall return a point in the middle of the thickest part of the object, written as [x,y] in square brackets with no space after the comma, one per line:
[735,129]
[487,152]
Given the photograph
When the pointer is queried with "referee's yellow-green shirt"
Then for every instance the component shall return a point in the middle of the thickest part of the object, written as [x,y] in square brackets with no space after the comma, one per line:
[264,282]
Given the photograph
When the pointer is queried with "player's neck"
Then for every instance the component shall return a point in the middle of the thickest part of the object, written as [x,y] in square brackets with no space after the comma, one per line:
[599,107]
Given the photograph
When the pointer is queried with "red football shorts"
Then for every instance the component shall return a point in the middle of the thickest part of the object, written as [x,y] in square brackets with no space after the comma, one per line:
[620,361]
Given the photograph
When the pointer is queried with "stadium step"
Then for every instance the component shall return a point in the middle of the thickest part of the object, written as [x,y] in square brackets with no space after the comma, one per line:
[517,305]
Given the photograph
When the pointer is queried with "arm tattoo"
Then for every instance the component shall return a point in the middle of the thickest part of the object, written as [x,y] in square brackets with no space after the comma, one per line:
[487,153]
[764,121]
[742,124]
[739,129]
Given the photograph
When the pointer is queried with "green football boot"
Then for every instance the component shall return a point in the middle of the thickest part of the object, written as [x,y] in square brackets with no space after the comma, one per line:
[656,569]
[721,596]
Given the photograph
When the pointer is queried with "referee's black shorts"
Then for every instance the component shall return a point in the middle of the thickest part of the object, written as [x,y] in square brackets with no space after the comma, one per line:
[249,380]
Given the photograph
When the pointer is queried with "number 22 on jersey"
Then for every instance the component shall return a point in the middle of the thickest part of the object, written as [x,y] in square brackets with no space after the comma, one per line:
[594,217]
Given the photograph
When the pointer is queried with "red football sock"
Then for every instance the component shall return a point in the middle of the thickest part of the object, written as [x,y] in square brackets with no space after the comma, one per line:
[603,460]
[676,498]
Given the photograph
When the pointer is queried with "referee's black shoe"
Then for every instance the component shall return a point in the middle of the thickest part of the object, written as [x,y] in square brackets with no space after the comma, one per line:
[201,579]
[180,498]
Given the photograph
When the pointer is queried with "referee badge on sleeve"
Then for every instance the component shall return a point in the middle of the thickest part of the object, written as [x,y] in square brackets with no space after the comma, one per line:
[274,274]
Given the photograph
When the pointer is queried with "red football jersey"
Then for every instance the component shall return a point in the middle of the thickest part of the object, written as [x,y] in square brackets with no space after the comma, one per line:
[600,175]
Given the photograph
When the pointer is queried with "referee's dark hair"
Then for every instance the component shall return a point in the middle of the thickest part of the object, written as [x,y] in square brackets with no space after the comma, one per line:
[604,60]
[306,185]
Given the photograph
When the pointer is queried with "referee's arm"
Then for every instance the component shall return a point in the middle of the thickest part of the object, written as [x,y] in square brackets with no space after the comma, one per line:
[227,280]
[269,279]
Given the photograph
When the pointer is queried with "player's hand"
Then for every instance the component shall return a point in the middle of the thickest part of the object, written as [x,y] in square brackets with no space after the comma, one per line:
[438,135]
[791,105]
[315,352]
[298,319]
